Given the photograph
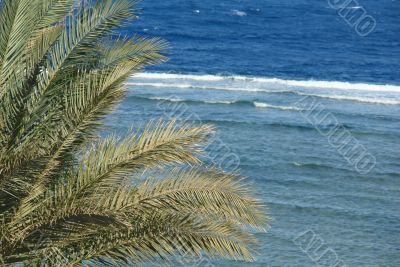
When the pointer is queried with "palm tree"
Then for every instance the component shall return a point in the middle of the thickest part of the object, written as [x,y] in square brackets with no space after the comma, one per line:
[67,198]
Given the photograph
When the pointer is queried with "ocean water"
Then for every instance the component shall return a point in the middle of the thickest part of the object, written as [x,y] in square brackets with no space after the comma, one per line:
[282,81]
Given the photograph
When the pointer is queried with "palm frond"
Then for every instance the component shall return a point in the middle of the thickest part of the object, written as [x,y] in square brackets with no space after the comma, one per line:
[89,25]
[21,27]
[208,191]
[160,143]
[107,164]
[163,237]
[67,199]
[53,12]
[139,225]
[131,49]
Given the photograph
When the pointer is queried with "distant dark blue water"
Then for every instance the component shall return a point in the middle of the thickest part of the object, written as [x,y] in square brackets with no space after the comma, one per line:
[290,39]
[260,70]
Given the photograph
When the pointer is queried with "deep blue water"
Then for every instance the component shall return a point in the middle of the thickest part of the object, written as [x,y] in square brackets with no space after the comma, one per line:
[246,66]
[296,39]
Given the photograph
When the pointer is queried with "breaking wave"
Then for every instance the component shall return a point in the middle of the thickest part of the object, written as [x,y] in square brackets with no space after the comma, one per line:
[334,90]
[222,102]
[297,83]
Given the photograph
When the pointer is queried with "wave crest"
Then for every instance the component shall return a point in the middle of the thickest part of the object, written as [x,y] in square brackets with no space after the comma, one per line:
[295,83]
[265,105]
[334,90]
[223,102]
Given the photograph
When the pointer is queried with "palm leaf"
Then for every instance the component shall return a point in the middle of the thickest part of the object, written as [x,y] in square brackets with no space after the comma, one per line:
[68,198]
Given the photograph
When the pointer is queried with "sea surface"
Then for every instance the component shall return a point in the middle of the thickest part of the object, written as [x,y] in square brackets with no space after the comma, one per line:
[259,70]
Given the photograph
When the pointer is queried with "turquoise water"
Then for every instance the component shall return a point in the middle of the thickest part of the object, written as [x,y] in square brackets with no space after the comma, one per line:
[307,183]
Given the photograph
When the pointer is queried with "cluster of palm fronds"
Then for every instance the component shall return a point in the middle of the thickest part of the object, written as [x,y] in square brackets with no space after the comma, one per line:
[67,199]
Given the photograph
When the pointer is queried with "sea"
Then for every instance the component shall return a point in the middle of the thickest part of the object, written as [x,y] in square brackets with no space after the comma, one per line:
[306,102]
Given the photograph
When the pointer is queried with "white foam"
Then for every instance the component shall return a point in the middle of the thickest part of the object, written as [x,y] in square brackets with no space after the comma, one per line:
[273,81]
[344,86]
[161,85]
[172,99]
[371,100]
[239,13]
[168,76]
[203,87]
[265,105]
[220,102]
[167,99]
